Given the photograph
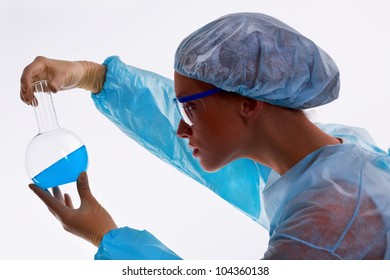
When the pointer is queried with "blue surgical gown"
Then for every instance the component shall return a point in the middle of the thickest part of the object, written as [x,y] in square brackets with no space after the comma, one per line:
[334,204]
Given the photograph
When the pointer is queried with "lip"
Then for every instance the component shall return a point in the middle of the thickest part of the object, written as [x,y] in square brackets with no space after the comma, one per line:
[195,153]
[192,147]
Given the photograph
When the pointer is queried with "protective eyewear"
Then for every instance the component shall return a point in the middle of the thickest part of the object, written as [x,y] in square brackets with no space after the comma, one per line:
[190,110]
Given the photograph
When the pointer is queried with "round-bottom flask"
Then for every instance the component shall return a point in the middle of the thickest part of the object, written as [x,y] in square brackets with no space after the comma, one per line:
[55,156]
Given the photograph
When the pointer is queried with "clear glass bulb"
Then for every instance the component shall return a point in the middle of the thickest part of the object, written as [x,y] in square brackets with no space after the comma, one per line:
[55,156]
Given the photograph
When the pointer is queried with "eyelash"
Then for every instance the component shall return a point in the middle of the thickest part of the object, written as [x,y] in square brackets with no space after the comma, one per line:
[189,107]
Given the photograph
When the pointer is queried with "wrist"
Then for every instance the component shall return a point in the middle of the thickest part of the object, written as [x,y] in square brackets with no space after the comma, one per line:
[93,78]
[98,237]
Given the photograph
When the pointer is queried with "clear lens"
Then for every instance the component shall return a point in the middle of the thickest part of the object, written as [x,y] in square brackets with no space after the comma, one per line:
[184,113]
[191,107]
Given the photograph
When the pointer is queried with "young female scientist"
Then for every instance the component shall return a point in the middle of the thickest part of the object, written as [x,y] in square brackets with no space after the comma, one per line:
[241,84]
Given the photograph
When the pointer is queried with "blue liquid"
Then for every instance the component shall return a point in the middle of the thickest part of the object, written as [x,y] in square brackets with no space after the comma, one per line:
[64,171]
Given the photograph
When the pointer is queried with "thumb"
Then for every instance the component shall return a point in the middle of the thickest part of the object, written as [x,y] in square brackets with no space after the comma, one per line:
[83,187]
[55,84]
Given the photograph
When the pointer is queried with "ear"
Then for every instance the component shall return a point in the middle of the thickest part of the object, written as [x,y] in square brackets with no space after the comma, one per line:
[250,109]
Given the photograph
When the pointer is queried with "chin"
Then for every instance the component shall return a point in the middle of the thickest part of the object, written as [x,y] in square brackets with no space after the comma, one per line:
[210,167]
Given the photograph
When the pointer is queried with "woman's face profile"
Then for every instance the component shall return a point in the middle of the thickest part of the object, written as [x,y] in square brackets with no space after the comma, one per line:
[216,134]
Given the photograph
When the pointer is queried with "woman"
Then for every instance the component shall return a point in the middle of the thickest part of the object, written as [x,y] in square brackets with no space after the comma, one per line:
[241,83]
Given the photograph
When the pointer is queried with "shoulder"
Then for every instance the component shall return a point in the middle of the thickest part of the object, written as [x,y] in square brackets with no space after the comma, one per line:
[334,219]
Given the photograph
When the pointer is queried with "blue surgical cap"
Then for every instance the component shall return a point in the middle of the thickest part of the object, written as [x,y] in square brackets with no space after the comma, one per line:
[260,57]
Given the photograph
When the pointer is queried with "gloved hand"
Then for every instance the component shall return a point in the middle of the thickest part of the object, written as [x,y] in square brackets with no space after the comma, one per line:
[90,221]
[61,75]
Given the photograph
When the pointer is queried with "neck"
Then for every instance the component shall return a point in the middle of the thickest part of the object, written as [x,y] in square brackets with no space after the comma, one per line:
[286,137]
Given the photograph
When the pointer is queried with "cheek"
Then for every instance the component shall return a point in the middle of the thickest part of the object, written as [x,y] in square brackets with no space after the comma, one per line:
[220,127]
[227,129]
[212,134]
[220,141]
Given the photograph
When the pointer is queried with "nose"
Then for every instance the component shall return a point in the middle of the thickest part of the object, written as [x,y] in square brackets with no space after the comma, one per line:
[184,130]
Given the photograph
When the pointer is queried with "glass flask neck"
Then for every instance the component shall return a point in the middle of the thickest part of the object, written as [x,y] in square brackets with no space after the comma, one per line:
[44,108]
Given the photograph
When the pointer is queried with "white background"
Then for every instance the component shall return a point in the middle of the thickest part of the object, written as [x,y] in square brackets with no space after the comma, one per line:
[136,188]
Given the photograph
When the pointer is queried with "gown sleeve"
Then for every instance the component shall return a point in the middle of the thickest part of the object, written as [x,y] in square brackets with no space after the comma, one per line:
[131,244]
[140,103]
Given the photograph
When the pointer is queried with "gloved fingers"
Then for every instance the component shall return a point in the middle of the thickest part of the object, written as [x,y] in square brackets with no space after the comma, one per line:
[64,199]
[56,73]
[58,194]
[25,94]
[83,188]
[51,211]
[35,71]
[55,206]
[68,201]
[56,83]
[31,73]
